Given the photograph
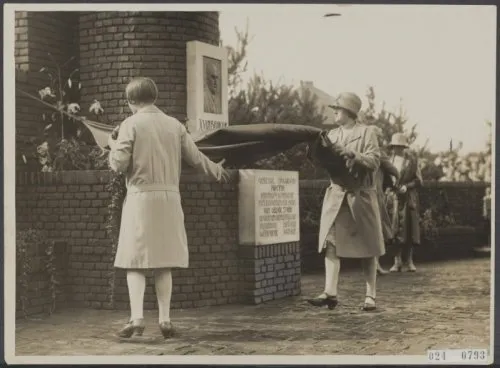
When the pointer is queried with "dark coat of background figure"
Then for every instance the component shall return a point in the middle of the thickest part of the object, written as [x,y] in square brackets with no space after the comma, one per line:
[384,180]
[406,219]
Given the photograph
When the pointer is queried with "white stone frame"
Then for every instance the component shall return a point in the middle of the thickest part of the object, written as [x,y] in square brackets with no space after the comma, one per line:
[197,118]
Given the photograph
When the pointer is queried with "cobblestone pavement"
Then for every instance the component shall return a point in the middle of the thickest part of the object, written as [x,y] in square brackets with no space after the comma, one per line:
[443,305]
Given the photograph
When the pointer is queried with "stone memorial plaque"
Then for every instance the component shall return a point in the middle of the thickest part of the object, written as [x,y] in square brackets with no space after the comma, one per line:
[207,94]
[268,207]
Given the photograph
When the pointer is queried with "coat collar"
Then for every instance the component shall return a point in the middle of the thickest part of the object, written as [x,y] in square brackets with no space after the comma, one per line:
[148,109]
[357,132]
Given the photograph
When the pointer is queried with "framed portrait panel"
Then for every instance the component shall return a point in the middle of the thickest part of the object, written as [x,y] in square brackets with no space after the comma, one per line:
[207,94]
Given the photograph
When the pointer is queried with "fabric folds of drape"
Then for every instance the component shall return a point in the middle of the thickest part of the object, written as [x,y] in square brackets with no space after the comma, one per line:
[246,144]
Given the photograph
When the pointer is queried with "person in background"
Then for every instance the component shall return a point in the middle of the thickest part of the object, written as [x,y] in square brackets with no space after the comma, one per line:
[350,224]
[487,216]
[385,177]
[405,209]
[149,148]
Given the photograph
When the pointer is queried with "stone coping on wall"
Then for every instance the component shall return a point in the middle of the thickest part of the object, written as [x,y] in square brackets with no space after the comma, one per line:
[456,230]
[83,177]
[428,184]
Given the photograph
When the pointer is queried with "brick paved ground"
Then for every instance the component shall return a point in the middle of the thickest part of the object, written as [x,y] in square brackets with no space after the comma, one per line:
[444,305]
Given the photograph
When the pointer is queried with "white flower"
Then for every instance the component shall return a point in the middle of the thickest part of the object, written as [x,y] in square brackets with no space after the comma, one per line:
[43,148]
[96,108]
[47,91]
[73,108]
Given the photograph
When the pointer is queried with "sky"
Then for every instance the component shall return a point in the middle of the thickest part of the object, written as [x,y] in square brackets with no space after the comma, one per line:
[438,61]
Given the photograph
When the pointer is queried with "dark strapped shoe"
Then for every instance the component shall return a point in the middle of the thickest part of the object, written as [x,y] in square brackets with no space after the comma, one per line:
[167,329]
[132,327]
[368,307]
[324,299]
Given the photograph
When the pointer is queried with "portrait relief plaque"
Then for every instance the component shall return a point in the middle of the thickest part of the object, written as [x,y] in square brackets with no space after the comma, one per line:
[207,90]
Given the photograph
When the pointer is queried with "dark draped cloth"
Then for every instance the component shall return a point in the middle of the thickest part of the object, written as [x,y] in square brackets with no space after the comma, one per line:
[245,144]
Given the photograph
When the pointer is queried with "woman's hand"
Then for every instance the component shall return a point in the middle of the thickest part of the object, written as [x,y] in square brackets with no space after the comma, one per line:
[348,154]
[114,133]
[402,189]
[225,176]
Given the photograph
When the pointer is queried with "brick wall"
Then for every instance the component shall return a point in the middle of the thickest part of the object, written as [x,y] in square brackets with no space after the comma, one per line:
[462,200]
[41,33]
[117,46]
[72,207]
[270,271]
[21,40]
[29,125]
[38,294]
[109,48]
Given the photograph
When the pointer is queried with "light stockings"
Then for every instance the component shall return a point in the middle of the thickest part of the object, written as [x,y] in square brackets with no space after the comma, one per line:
[408,250]
[136,282]
[370,273]
[332,269]
[163,286]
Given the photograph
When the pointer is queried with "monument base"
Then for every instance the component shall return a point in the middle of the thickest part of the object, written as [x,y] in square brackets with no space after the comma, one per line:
[269,271]
[269,235]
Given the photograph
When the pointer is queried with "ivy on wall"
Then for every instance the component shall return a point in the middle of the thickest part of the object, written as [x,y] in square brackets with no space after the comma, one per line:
[118,190]
[27,242]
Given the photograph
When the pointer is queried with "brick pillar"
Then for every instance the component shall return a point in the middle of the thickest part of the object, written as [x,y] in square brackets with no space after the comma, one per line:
[117,46]
[269,271]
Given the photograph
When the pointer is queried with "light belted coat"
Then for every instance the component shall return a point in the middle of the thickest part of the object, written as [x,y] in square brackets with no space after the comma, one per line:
[359,228]
[149,149]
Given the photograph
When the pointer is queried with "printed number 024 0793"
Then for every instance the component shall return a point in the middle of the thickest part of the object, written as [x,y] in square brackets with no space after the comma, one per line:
[458,355]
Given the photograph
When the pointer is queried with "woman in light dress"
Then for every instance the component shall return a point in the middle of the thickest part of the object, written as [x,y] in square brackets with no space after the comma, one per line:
[149,148]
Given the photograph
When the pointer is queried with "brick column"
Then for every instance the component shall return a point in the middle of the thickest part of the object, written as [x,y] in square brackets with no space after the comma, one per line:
[118,46]
[269,271]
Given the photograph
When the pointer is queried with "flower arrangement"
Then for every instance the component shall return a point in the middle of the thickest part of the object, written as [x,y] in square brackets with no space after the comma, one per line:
[63,144]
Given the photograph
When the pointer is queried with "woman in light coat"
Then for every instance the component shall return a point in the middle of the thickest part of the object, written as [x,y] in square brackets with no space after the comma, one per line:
[405,202]
[149,148]
[350,218]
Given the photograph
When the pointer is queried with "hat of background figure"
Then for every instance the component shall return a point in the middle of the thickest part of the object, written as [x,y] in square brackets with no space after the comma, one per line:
[348,101]
[399,139]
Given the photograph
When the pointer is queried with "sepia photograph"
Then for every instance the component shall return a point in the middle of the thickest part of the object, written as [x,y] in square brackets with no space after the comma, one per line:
[249,184]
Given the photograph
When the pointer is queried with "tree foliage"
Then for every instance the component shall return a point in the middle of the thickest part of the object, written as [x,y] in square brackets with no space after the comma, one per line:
[388,122]
[262,101]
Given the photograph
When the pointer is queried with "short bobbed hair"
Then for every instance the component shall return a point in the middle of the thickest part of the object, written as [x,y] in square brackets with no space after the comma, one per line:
[141,91]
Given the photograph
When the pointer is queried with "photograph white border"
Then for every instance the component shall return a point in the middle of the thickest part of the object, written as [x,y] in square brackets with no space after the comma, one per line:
[10,224]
